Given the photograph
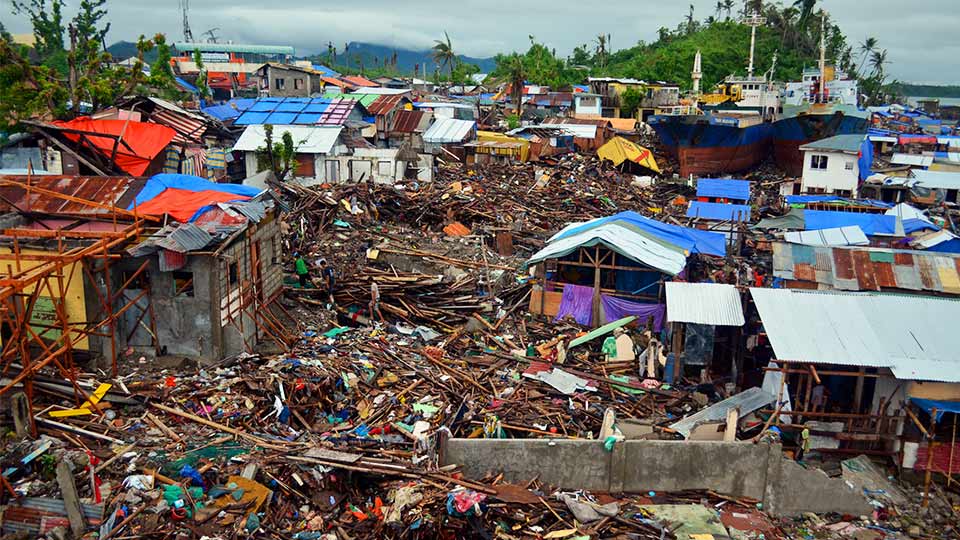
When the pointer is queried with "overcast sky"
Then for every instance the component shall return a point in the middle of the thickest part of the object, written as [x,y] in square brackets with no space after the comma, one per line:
[922,36]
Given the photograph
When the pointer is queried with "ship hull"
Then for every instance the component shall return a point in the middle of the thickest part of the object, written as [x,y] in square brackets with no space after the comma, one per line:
[705,145]
[790,133]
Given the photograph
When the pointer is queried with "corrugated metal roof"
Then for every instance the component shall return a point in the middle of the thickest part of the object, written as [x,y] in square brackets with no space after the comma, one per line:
[849,144]
[747,401]
[912,159]
[234,48]
[718,211]
[704,303]
[580,131]
[384,104]
[114,190]
[308,139]
[448,130]
[857,268]
[936,179]
[185,238]
[723,188]
[357,80]
[840,236]
[407,121]
[909,334]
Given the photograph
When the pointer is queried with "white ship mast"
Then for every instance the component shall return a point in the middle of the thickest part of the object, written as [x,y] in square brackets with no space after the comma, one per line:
[753,21]
[823,57]
[697,74]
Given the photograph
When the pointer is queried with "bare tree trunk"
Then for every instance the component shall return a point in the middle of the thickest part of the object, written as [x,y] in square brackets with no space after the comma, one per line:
[72,72]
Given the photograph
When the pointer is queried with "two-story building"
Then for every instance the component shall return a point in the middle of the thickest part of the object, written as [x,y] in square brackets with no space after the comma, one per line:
[831,165]
[284,80]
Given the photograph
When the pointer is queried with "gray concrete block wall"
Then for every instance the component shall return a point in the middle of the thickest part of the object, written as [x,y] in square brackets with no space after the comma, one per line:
[740,469]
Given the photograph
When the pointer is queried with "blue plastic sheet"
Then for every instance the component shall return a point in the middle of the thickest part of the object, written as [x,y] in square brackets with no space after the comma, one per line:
[723,188]
[692,240]
[942,406]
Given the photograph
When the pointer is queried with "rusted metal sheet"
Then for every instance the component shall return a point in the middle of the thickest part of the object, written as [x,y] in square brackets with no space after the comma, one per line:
[903,259]
[118,191]
[884,274]
[863,267]
[843,264]
[928,274]
[804,272]
[407,121]
[384,104]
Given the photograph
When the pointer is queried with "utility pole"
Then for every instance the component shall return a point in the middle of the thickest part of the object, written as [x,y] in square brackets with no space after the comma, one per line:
[753,21]
[823,56]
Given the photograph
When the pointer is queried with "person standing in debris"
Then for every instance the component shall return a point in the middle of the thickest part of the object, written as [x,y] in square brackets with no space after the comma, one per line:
[804,443]
[303,271]
[326,274]
[375,302]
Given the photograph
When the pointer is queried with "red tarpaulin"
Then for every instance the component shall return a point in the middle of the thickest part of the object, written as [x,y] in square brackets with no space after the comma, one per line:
[145,139]
[182,204]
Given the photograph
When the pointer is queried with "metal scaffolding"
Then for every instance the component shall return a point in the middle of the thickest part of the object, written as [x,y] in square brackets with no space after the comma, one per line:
[34,338]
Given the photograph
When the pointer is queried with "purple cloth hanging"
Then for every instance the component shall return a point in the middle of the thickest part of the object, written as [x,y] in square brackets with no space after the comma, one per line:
[616,308]
[577,300]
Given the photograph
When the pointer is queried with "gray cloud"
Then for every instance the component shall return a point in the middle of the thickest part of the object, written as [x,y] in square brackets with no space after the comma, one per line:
[921,37]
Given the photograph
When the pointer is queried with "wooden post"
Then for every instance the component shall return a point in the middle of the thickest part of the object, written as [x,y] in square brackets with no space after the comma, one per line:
[953,443]
[677,350]
[733,417]
[596,287]
[71,500]
[20,409]
[929,473]
[858,391]
[783,384]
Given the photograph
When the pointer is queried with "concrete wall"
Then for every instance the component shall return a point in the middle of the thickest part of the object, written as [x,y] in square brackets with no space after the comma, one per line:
[740,469]
[381,162]
[835,177]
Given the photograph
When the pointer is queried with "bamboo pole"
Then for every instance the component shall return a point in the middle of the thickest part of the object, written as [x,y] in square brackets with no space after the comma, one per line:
[929,472]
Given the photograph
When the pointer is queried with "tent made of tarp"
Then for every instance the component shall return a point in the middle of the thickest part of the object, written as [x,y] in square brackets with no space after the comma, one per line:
[723,188]
[131,145]
[186,197]
[635,244]
[619,150]
[688,239]
[718,211]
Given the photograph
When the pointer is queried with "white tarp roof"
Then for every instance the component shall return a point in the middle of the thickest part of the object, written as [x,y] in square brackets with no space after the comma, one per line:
[448,130]
[936,179]
[840,236]
[307,139]
[905,211]
[622,240]
[911,335]
[704,303]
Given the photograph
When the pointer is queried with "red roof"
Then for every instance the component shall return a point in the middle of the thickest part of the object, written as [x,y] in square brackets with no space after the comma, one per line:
[335,82]
[136,143]
[357,80]
[118,191]
[384,104]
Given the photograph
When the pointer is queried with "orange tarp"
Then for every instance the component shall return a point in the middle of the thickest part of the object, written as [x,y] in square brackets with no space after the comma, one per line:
[144,138]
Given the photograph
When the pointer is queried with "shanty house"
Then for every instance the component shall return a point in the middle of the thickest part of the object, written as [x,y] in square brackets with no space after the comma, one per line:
[831,165]
[408,128]
[607,268]
[721,200]
[284,80]
[587,105]
[199,286]
[448,131]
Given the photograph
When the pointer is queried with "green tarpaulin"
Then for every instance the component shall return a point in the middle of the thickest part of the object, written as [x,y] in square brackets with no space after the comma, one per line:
[603,330]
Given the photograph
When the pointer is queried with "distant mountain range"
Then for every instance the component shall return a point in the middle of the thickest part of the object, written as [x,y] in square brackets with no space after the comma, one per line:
[373,56]
[122,50]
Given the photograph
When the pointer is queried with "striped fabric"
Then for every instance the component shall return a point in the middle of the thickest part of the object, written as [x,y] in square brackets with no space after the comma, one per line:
[171,163]
[188,129]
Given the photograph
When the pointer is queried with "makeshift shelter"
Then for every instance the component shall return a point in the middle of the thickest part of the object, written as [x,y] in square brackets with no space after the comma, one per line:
[184,197]
[695,310]
[619,150]
[607,268]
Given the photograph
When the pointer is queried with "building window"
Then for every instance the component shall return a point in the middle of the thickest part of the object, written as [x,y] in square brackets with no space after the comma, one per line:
[182,283]
[233,271]
[818,162]
[279,83]
[384,168]
[842,192]
[848,166]
[298,84]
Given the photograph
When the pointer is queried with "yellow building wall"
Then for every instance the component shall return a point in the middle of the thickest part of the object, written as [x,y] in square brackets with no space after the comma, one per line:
[44,310]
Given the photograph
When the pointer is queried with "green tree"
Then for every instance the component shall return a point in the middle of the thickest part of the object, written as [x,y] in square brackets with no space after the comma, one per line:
[443,53]
[806,10]
[866,49]
[47,22]
[202,89]
[280,157]
[630,100]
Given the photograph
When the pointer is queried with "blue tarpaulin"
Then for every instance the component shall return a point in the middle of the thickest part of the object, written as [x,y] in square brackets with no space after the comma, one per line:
[942,406]
[231,109]
[719,211]
[692,240]
[865,161]
[872,224]
[186,86]
[722,188]
[160,182]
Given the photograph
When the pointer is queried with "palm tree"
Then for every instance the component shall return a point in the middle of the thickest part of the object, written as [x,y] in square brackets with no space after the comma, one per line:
[866,48]
[517,75]
[719,9]
[728,7]
[878,59]
[602,49]
[752,6]
[788,15]
[690,20]
[443,53]
[806,9]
